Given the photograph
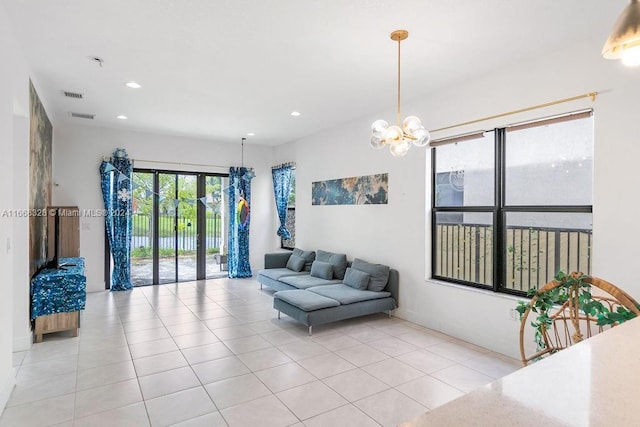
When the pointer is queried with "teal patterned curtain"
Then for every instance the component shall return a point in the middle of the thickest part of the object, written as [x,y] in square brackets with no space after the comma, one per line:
[115,181]
[239,221]
[282,188]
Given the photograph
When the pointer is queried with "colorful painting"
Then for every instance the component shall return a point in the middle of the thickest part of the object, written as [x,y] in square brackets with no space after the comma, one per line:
[40,142]
[357,190]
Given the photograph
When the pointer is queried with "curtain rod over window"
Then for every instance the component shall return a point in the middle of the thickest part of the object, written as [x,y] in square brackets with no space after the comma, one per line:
[292,164]
[516,127]
[591,95]
[106,159]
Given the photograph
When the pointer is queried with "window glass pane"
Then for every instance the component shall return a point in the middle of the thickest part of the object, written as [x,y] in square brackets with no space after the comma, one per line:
[465,172]
[463,246]
[142,232]
[539,244]
[550,165]
[167,220]
[215,207]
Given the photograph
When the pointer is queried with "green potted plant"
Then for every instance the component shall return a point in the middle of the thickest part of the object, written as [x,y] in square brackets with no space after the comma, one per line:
[569,300]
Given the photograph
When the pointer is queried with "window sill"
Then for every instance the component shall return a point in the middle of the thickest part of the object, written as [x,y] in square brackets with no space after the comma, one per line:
[475,290]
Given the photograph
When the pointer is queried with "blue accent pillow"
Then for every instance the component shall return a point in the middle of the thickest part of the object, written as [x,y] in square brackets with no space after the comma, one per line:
[356,279]
[339,262]
[379,273]
[323,270]
[308,256]
[295,263]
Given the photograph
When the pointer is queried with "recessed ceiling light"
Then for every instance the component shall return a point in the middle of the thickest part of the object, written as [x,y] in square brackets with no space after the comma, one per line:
[251,134]
[121,117]
[295,113]
[133,85]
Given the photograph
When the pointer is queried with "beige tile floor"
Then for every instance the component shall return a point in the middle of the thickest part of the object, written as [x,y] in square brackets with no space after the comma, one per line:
[213,353]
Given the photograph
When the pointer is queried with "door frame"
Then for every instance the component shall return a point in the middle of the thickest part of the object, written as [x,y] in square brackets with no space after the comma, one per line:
[201,214]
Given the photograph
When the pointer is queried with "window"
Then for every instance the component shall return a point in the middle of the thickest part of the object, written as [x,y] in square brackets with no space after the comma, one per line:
[291,216]
[513,206]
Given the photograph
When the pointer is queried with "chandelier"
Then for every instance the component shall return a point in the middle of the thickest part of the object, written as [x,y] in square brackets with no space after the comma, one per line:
[624,41]
[400,136]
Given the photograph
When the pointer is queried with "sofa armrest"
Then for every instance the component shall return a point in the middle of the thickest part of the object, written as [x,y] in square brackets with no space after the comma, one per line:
[393,285]
[276,259]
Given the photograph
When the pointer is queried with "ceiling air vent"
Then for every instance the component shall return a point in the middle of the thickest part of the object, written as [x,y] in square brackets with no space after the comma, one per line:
[75,95]
[83,116]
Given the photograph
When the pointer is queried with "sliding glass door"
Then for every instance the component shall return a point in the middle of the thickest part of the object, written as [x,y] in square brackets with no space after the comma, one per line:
[178,231]
[214,234]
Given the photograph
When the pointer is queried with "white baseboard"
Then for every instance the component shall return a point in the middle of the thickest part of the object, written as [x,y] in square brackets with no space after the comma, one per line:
[418,318]
[6,387]
[23,343]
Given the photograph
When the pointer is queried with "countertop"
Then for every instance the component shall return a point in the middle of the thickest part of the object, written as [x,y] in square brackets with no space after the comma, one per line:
[593,383]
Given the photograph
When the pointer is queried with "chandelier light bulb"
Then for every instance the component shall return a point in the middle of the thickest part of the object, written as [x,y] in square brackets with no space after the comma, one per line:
[411,124]
[377,143]
[393,135]
[400,149]
[378,128]
[422,137]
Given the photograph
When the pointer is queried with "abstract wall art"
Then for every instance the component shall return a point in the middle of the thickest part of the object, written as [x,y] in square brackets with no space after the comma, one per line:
[357,190]
[40,141]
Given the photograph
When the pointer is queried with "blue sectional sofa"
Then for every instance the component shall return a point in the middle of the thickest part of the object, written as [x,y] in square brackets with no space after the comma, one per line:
[322,287]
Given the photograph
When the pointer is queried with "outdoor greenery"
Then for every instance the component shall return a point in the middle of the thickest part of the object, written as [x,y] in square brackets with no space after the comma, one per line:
[571,286]
[185,210]
[186,195]
[292,194]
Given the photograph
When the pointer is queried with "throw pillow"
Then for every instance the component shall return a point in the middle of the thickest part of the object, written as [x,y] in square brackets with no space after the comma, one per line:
[295,263]
[309,257]
[339,262]
[379,273]
[323,270]
[356,279]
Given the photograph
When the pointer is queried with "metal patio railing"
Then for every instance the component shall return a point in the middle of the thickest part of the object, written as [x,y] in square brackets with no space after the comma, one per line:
[533,255]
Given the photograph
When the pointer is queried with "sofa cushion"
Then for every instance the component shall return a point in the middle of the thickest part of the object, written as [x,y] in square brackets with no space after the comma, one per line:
[306,281]
[339,262]
[306,301]
[323,270]
[356,279]
[295,263]
[279,273]
[379,273]
[309,257]
[346,294]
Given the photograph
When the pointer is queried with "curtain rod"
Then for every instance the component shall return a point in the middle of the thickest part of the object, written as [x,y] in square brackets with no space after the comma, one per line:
[591,95]
[515,127]
[292,164]
[106,159]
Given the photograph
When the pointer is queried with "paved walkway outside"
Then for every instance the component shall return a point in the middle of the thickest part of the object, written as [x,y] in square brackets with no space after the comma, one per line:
[142,269]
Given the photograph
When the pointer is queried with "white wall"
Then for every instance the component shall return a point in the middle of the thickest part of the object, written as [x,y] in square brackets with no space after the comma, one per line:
[14,236]
[78,151]
[398,233]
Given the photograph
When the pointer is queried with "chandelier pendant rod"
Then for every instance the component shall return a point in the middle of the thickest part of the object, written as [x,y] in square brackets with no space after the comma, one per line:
[398,112]
[242,153]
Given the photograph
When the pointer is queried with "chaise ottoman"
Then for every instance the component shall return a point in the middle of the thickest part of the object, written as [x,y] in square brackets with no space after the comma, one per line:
[330,303]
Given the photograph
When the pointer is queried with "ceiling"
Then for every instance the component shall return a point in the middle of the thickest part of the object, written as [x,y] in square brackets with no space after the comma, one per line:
[219,69]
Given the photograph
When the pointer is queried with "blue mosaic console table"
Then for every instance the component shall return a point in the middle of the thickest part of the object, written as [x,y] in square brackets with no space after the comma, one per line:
[57,296]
